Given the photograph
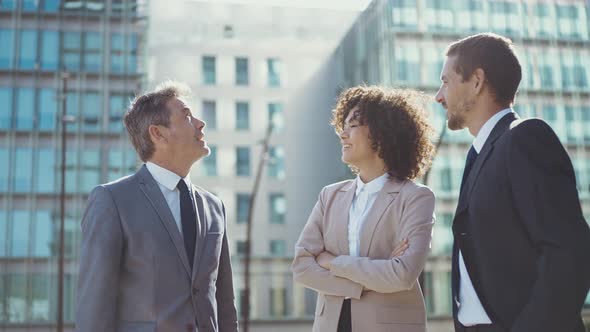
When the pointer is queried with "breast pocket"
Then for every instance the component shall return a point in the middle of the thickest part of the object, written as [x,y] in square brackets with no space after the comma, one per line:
[213,243]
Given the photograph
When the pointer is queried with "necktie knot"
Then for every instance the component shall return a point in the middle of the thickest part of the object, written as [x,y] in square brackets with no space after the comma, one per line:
[182,186]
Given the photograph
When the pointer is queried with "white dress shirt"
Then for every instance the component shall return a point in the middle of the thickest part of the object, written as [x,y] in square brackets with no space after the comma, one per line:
[364,198]
[167,181]
[471,311]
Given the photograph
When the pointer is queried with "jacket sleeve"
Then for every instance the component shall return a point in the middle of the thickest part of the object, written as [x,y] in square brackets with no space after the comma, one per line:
[100,259]
[397,274]
[545,196]
[226,309]
[306,270]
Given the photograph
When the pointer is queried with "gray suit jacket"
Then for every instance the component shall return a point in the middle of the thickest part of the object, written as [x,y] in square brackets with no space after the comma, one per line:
[134,270]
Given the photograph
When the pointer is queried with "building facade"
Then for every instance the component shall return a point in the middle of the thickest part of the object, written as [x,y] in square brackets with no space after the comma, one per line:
[401,43]
[98,44]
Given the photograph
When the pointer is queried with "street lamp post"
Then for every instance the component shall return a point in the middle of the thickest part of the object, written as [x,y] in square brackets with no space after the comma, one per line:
[245,305]
[65,119]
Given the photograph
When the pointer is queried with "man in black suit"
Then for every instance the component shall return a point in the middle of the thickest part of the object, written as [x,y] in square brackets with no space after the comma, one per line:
[521,255]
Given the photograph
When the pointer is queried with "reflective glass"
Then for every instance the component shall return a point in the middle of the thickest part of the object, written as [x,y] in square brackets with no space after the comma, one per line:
[92,107]
[3,234]
[44,241]
[48,105]
[25,108]
[28,49]
[23,170]
[47,169]
[20,233]
[6,110]
[49,50]
[4,169]
[7,49]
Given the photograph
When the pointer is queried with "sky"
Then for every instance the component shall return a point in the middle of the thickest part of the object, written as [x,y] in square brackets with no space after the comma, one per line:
[334,4]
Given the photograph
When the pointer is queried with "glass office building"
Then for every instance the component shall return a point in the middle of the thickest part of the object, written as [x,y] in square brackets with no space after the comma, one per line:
[402,43]
[98,43]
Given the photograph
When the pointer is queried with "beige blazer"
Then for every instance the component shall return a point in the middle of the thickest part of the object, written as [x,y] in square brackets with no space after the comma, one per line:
[385,293]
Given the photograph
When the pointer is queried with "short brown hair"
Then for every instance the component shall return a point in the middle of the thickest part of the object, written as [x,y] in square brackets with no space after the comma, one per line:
[495,55]
[398,126]
[150,109]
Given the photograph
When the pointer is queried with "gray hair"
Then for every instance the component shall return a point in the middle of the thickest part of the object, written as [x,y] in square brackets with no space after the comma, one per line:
[150,109]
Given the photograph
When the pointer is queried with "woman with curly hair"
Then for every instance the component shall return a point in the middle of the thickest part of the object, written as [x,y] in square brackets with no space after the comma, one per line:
[367,239]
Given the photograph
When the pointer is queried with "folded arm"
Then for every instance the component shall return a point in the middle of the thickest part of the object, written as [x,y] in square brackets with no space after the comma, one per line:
[397,273]
[306,269]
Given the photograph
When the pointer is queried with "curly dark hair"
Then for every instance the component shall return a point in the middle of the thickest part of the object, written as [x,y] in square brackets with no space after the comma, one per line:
[398,126]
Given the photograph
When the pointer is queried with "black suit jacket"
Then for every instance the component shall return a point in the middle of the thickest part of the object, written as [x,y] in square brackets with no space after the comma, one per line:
[520,228]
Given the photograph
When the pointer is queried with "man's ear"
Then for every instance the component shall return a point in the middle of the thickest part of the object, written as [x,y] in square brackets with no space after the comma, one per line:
[158,134]
[479,78]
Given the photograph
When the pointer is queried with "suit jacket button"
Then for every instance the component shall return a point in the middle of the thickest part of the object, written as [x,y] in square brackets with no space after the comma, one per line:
[195,291]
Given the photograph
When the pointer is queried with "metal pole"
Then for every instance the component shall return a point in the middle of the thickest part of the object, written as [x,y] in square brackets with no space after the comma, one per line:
[246,303]
[62,201]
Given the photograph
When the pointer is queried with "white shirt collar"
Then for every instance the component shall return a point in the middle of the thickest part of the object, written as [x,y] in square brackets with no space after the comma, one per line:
[373,186]
[166,177]
[487,128]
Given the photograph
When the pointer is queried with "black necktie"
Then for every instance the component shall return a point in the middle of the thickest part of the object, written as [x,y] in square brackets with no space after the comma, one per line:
[188,219]
[471,156]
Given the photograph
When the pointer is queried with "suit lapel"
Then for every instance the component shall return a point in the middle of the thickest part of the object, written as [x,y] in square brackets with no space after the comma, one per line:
[203,223]
[500,128]
[384,198]
[154,195]
[341,205]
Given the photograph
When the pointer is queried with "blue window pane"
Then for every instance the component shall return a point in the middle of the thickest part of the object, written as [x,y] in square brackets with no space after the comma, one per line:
[43,287]
[3,234]
[276,117]
[243,161]
[132,54]
[4,168]
[47,109]
[274,74]
[72,108]
[92,107]
[30,5]
[51,6]
[49,50]
[116,111]
[71,50]
[242,116]
[7,5]
[42,247]
[46,171]
[20,233]
[25,108]
[92,52]
[117,53]
[242,208]
[23,170]
[208,69]
[6,111]
[277,208]
[242,71]
[276,162]
[72,171]
[7,49]
[90,170]
[28,49]
[209,114]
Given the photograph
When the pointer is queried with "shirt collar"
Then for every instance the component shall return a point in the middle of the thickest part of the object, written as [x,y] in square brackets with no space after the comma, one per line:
[166,177]
[373,186]
[487,128]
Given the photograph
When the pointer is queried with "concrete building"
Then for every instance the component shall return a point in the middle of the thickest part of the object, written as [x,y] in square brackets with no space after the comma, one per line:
[99,44]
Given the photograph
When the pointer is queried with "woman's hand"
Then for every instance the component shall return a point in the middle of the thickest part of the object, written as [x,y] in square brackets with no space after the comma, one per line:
[325,259]
[400,250]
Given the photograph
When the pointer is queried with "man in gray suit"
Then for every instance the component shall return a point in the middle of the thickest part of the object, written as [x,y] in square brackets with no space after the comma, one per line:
[154,253]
